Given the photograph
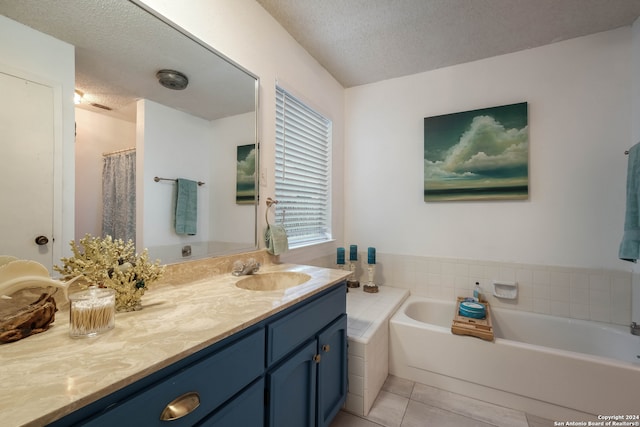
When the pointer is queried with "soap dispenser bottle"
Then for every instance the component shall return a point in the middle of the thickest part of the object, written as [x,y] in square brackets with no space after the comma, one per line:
[477,292]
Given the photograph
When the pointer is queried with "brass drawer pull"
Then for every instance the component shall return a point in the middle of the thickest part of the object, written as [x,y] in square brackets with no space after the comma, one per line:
[317,358]
[180,406]
[326,348]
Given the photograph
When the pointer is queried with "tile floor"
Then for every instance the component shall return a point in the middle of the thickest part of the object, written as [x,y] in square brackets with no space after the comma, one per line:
[403,403]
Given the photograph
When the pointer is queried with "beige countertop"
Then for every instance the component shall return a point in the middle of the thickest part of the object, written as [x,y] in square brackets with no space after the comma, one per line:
[49,375]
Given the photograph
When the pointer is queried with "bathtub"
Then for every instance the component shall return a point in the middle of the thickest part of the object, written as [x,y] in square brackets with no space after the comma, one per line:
[553,367]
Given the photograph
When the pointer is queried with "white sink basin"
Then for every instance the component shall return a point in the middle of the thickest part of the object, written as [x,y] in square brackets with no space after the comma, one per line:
[272,281]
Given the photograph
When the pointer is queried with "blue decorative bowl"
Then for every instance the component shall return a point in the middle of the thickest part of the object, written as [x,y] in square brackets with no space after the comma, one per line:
[472,315]
[472,306]
[473,310]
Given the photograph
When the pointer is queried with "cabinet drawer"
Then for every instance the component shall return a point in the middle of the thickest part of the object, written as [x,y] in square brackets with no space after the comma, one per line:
[285,334]
[247,409]
[215,379]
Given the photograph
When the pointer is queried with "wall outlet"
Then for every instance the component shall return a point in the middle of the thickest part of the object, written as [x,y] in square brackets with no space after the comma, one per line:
[186,250]
[263,177]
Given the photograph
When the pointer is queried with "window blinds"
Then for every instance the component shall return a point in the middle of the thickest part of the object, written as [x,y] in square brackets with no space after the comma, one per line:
[302,171]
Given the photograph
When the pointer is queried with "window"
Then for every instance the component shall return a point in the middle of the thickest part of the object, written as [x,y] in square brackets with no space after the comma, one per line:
[302,171]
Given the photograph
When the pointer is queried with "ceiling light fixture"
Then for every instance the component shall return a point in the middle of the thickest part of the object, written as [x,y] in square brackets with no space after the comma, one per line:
[172,79]
[77,96]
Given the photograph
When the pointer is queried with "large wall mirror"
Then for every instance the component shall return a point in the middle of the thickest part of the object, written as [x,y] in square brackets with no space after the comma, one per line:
[128,121]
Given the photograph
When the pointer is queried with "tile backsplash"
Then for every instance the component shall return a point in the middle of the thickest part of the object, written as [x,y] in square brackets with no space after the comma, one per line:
[580,293]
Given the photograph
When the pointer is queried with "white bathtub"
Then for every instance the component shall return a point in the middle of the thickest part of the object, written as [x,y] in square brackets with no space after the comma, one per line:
[549,366]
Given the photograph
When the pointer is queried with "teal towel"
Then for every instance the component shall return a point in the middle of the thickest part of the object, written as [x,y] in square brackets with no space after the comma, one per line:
[275,236]
[187,207]
[630,245]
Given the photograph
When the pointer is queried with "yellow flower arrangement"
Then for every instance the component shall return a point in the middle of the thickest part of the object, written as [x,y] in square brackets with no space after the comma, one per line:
[114,264]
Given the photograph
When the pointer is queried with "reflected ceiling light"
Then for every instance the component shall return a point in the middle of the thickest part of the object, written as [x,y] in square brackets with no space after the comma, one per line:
[77,96]
[172,79]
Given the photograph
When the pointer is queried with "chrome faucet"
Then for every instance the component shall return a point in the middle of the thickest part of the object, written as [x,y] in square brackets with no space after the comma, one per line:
[635,328]
[250,266]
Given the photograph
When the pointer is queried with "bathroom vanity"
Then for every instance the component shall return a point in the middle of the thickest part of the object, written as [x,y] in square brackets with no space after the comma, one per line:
[203,353]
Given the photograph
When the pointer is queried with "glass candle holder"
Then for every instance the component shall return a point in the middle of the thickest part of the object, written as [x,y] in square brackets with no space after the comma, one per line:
[91,312]
[352,281]
[370,286]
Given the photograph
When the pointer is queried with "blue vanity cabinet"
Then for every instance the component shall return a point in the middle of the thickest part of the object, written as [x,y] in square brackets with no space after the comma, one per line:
[308,385]
[228,378]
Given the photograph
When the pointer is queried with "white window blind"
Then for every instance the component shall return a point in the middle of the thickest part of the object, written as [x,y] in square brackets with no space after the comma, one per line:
[302,171]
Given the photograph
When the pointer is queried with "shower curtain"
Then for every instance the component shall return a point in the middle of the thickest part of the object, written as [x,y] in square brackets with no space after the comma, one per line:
[119,196]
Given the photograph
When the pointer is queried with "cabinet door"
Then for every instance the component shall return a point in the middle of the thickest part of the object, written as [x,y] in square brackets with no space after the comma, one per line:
[245,410]
[332,370]
[292,390]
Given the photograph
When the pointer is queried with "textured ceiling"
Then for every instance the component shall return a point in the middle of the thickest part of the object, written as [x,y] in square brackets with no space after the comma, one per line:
[364,41]
[119,47]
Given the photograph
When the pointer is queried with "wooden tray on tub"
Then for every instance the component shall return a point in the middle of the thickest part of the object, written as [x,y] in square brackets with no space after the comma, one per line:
[481,328]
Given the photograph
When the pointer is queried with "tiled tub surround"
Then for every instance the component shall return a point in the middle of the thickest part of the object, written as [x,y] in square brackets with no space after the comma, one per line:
[49,375]
[579,293]
[368,337]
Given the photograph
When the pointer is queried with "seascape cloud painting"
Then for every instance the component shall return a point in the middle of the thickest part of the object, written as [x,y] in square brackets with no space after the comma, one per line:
[246,175]
[477,155]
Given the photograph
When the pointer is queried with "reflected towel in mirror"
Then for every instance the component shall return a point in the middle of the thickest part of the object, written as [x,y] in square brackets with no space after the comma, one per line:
[186,207]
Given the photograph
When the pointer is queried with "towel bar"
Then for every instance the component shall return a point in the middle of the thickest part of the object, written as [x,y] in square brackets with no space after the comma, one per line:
[271,202]
[158,179]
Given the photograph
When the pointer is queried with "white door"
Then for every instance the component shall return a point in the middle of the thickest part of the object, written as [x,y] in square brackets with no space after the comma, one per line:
[26,169]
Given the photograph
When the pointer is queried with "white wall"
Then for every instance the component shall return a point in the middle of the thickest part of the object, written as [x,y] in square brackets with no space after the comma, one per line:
[246,33]
[579,126]
[580,104]
[230,222]
[635,81]
[95,134]
[170,144]
[635,131]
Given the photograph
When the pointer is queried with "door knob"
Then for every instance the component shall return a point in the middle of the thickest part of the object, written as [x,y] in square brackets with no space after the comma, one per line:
[42,240]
